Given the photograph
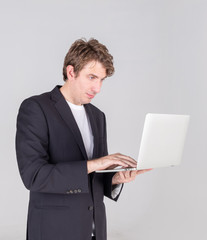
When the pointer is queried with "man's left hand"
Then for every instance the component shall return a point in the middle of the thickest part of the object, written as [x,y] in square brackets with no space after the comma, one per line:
[127,176]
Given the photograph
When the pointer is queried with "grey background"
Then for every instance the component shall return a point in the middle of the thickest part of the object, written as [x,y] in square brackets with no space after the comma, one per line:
[160,53]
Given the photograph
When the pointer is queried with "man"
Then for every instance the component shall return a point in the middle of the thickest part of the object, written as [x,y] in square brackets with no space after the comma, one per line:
[61,142]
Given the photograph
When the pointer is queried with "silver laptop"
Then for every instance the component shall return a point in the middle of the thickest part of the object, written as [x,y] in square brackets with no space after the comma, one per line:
[162,142]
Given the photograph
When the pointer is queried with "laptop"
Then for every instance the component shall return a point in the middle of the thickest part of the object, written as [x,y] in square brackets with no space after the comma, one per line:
[162,142]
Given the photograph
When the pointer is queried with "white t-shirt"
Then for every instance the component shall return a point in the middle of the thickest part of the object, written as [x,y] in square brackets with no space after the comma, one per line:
[83,123]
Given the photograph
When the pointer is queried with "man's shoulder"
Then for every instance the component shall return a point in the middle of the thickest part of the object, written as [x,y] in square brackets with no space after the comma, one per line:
[36,99]
[40,102]
[40,98]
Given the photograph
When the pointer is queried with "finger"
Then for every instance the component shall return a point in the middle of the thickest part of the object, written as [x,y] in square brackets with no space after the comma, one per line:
[120,162]
[127,158]
[121,175]
[133,174]
[143,171]
[128,162]
[130,176]
[147,170]
[113,166]
[127,174]
[108,161]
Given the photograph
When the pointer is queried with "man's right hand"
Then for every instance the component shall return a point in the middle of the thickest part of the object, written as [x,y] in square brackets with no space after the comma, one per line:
[110,161]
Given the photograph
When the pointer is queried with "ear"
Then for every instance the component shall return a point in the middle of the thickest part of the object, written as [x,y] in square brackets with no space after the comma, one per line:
[70,72]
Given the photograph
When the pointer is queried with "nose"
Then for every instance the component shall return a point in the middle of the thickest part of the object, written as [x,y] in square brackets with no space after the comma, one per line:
[96,88]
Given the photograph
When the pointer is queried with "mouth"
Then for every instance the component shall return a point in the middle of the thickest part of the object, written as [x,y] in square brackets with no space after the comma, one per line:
[90,95]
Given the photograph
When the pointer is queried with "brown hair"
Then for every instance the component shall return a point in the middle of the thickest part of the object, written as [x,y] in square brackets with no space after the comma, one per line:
[82,52]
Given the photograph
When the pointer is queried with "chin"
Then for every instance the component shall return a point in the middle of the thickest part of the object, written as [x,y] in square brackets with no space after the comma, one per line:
[86,101]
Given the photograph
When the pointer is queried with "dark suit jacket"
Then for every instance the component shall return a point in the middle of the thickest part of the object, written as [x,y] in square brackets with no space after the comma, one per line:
[64,199]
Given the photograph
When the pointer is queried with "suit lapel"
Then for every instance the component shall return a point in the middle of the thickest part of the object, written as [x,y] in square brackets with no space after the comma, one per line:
[66,114]
[93,128]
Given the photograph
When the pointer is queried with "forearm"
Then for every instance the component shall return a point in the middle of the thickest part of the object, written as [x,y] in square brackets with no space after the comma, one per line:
[54,178]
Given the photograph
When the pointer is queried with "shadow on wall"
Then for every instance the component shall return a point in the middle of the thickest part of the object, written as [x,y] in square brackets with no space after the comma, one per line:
[12,232]
[115,235]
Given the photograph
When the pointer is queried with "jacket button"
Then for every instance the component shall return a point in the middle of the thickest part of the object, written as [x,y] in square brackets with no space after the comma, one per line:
[79,190]
[75,191]
[90,208]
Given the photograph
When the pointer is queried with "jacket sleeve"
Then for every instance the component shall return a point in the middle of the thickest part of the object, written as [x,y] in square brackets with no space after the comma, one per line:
[108,187]
[36,170]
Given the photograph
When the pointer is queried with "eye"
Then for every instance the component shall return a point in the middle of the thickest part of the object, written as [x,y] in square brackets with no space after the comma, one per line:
[91,77]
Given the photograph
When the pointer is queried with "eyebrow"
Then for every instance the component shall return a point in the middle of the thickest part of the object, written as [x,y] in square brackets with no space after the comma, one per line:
[96,76]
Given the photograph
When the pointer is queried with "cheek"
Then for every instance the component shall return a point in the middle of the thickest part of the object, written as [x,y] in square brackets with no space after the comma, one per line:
[86,87]
[79,87]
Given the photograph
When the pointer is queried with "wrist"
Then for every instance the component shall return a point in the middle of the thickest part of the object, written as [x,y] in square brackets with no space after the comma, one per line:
[114,180]
[91,166]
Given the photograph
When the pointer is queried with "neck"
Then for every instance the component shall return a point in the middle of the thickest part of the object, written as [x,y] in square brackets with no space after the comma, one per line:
[66,92]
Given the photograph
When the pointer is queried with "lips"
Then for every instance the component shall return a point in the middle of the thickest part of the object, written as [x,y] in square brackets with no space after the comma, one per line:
[90,95]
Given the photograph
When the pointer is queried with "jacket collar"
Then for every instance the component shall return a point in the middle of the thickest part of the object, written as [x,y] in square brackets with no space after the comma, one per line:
[66,114]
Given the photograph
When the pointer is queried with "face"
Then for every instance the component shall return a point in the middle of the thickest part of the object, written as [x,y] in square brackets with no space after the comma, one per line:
[81,89]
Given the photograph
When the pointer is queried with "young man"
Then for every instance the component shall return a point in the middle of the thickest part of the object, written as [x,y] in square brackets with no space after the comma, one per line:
[61,142]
